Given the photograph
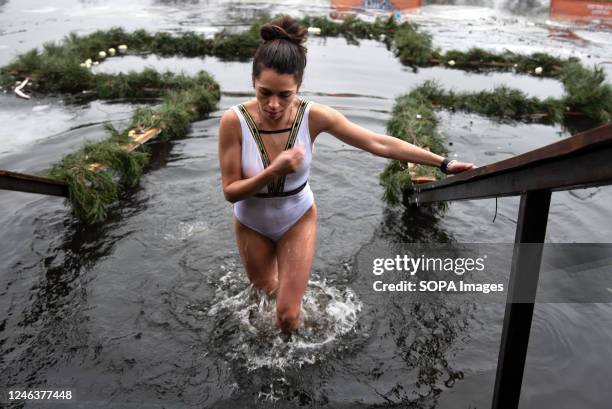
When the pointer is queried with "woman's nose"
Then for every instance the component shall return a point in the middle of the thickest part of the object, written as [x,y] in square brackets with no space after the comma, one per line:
[273,102]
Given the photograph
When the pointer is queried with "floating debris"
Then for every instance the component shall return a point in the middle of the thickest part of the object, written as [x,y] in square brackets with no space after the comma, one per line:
[18,89]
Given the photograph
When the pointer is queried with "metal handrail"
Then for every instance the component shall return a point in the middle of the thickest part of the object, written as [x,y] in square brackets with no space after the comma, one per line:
[551,167]
[582,160]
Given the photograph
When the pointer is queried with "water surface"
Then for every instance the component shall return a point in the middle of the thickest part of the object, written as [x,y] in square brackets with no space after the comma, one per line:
[152,308]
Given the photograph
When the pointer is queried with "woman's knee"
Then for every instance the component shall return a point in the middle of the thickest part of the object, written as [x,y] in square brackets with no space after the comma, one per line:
[267,284]
[288,319]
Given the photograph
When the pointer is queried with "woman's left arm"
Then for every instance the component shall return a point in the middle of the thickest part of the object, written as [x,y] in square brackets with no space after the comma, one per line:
[330,120]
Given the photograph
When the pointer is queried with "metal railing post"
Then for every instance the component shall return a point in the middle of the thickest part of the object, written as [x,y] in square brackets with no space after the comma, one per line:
[526,260]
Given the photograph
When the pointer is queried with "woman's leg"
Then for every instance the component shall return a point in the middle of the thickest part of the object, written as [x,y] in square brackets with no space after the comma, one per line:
[294,253]
[258,257]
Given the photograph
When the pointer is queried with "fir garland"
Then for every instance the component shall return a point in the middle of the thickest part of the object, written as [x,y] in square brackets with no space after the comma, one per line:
[64,68]
[92,192]
[184,99]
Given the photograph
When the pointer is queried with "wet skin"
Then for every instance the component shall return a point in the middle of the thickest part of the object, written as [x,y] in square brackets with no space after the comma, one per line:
[283,268]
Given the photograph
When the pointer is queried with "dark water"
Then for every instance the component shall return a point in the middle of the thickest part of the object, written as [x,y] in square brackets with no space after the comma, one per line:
[152,309]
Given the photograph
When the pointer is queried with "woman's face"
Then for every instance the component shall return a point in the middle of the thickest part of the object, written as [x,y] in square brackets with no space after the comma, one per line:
[274,93]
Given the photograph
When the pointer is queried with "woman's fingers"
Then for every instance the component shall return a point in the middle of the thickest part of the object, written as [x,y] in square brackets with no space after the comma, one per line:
[458,167]
[290,160]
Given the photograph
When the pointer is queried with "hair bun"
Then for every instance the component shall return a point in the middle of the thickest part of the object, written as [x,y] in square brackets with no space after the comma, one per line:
[284,28]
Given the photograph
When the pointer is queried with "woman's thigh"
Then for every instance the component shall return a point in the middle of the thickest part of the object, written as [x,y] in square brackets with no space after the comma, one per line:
[295,252]
[258,256]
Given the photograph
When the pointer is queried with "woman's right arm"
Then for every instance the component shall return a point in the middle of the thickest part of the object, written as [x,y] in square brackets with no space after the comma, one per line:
[235,188]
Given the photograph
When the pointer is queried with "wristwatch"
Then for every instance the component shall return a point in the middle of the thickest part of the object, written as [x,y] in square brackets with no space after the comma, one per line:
[444,165]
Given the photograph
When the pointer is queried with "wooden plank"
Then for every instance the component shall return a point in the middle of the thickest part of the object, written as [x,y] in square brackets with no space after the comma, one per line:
[422,179]
[32,184]
[36,184]
[137,140]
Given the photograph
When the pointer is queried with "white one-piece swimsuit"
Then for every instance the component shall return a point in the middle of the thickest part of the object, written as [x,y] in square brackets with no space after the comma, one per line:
[278,206]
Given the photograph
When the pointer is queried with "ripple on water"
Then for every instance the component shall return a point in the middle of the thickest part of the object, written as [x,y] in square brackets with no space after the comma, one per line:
[185,230]
[246,329]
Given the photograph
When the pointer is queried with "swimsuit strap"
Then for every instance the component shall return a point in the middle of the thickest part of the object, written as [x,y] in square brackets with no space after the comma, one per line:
[283,194]
[297,122]
[277,131]
[260,145]
[277,188]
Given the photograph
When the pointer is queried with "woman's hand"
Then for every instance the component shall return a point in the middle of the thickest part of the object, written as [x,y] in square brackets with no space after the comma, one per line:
[288,161]
[458,167]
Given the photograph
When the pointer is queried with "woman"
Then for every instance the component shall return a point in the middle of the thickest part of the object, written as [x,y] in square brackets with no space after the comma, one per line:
[265,149]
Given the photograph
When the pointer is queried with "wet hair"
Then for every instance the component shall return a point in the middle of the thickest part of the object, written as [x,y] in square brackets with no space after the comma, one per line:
[282,49]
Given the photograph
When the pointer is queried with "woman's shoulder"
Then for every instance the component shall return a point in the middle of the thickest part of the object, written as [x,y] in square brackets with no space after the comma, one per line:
[321,111]
[230,116]
[320,116]
[229,125]
[232,112]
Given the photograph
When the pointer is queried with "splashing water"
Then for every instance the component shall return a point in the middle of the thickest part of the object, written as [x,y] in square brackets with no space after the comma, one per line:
[246,323]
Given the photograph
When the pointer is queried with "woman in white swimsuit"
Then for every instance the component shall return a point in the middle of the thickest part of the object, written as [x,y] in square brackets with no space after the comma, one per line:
[265,149]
